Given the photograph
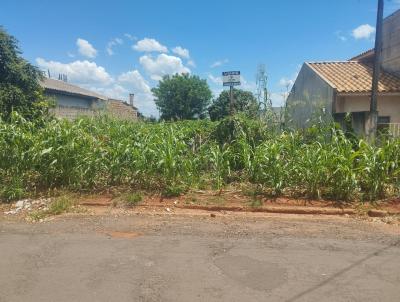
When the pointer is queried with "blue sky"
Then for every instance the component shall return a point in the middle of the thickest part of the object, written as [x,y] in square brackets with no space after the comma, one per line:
[117,47]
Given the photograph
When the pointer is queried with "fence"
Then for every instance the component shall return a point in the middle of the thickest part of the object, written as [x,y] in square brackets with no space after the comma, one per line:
[391,128]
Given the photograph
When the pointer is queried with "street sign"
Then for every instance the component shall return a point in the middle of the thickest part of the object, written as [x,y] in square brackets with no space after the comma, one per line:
[231,78]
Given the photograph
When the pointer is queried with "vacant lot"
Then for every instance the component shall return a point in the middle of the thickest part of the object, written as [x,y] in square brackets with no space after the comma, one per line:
[169,257]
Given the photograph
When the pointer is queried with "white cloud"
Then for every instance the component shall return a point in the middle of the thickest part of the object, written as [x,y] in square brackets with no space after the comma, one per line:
[162,65]
[215,80]
[284,82]
[85,48]
[340,36]
[277,99]
[191,63]
[115,91]
[70,54]
[182,52]
[219,63]
[130,37]
[149,45]
[146,105]
[247,85]
[136,81]
[111,44]
[81,72]
[364,31]
[287,82]
[217,91]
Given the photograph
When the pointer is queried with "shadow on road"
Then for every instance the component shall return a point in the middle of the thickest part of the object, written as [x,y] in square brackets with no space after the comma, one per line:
[341,272]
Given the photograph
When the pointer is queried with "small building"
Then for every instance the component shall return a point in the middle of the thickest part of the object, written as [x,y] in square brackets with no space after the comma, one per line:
[343,88]
[73,101]
[122,110]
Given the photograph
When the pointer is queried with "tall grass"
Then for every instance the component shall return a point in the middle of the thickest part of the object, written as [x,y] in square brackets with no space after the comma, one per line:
[93,154]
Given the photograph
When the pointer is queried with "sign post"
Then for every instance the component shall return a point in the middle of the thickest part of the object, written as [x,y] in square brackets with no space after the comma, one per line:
[231,79]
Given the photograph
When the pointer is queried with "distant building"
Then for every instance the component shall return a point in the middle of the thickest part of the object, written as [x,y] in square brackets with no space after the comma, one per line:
[73,101]
[341,88]
[122,110]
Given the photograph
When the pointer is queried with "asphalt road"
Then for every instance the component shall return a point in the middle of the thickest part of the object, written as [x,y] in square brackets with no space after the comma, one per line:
[175,258]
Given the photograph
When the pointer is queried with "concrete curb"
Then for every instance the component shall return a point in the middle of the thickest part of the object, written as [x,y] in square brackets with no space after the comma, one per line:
[281,210]
[301,210]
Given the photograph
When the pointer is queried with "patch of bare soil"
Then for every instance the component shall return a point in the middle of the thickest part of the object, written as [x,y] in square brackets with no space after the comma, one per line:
[96,200]
[235,201]
[392,205]
[224,203]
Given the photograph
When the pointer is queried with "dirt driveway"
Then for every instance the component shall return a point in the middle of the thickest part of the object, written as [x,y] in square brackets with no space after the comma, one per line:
[169,257]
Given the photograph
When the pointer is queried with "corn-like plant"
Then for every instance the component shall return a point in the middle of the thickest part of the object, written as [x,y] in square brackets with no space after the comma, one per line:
[219,159]
[90,154]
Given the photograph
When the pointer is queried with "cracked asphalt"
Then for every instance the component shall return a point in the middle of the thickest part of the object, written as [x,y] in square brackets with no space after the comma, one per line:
[198,258]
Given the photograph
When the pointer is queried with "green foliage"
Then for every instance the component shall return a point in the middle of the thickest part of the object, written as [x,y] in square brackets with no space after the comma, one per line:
[239,126]
[94,154]
[172,191]
[182,97]
[13,190]
[133,199]
[60,205]
[19,82]
[244,102]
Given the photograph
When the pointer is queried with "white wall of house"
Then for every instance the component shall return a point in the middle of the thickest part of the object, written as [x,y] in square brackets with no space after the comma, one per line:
[387,105]
[308,96]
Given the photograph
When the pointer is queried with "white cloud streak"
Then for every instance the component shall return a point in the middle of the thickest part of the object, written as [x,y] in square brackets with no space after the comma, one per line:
[219,63]
[111,44]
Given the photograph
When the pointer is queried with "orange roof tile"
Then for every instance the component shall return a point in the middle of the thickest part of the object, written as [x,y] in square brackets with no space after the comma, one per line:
[354,77]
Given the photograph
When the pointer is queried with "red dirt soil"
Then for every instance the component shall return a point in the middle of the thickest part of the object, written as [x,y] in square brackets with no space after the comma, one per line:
[234,201]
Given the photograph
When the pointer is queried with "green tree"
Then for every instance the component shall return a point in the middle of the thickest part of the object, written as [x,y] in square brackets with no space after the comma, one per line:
[182,96]
[19,82]
[244,101]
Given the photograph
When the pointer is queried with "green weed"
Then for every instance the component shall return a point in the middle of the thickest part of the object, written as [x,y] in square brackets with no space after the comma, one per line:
[133,199]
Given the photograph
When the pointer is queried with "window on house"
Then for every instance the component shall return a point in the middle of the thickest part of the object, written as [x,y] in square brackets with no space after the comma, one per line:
[383,119]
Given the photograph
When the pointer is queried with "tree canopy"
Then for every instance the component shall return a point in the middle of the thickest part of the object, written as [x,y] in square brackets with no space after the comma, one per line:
[19,81]
[182,96]
[244,101]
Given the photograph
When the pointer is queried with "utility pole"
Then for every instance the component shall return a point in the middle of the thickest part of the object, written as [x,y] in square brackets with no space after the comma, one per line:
[373,112]
[232,102]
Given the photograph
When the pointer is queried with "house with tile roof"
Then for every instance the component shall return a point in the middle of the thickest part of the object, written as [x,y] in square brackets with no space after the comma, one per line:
[343,88]
[73,101]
